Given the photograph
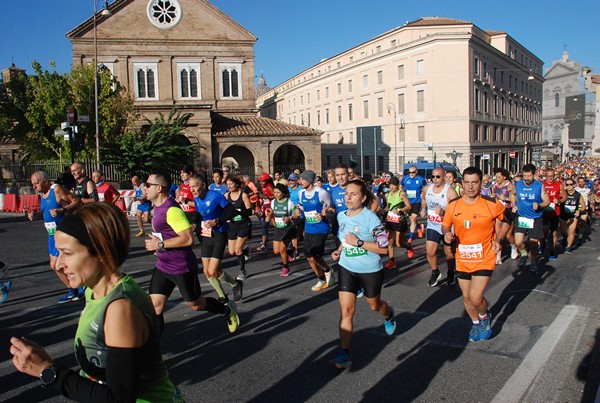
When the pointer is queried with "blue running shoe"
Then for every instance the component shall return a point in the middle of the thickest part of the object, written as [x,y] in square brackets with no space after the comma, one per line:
[485,327]
[360,293]
[552,258]
[474,332]
[4,289]
[72,295]
[342,360]
[390,325]
[81,293]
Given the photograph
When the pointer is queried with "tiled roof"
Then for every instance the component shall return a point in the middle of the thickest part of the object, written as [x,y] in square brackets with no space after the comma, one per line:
[256,126]
[425,21]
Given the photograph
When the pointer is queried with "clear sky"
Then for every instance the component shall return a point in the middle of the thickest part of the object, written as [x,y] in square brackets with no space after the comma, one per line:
[296,34]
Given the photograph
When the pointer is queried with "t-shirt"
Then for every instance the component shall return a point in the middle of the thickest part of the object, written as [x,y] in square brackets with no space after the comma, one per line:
[413,188]
[106,191]
[211,207]
[186,194]
[364,225]
[222,188]
[338,198]
[474,229]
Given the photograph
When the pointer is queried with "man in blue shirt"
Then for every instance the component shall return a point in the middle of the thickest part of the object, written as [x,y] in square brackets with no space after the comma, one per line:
[413,186]
[218,184]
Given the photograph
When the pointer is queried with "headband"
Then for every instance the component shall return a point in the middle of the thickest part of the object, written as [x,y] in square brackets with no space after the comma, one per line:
[73,225]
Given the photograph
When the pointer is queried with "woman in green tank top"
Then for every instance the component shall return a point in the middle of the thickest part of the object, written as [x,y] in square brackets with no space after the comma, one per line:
[397,206]
[118,337]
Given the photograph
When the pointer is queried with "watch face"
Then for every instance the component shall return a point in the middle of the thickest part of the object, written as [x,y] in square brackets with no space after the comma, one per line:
[48,376]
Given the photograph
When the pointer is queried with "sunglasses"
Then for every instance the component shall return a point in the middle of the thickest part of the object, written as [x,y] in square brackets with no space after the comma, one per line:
[569,184]
[436,176]
[149,185]
[412,172]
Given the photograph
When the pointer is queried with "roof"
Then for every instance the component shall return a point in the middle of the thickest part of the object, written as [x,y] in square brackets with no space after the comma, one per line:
[256,126]
[426,21]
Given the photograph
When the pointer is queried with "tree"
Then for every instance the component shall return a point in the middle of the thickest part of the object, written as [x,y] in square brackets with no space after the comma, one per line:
[163,147]
[15,96]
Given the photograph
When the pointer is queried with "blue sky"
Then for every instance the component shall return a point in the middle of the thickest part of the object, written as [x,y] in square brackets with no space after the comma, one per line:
[294,35]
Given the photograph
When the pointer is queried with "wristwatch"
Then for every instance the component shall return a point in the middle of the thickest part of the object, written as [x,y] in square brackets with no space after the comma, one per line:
[48,376]
[360,243]
[161,246]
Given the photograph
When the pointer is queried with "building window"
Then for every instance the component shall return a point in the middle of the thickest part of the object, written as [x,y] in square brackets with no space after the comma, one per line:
[164,14]
[318,95]
[401,107]
[189,81]
[231,81]
[496,110]
[308,98]
[380,107]
[402,134]
[327,116]
[146,81]
[326,92]
[420,67]
[401,72]
[301,99]
[339,109]
[486,103]
[421,101]
[339,88]
[378,49]
[365,81]
[477,100]
[366,109]
[476,134]
[421,133]
[476,67]
[340,159]
[349,85]
[394,43]
[318,118]
[379,77]
[351,136]
[308,119]
[556,100]
[350,113]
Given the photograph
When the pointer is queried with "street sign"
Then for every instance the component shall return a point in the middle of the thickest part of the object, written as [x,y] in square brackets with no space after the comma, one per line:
[66,137]
[512,154]
[72,115]
[485,157]
[60,133]
[83,118]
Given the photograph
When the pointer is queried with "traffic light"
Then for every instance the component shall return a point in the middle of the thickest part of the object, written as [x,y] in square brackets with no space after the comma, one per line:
[78,139]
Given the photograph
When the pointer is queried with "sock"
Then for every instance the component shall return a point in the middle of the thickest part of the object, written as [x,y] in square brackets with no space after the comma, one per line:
[523,252]
[227,278]
[217,286]
[475,322]
[214,306]
[411,235]
[451,264]
[286,266]
[242,262]
[161,323]
[322,278]
[483,317]
[391,259]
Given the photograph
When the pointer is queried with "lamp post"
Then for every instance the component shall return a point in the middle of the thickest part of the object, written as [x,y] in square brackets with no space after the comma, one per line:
[392,108]
[512,148]
[105,13]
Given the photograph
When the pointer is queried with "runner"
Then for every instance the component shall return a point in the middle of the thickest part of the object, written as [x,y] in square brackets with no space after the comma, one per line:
[337,194]
[502,190]
[436,197]
[215,211]
[106,191]
[185,198]
[264,202]
[177,265]
[413,186]
[144,205]
[5,283]
[529,199]
[282,209]
[55,201]
[240,226]
[584,190]
[363,239]
[218,184]
[397,206]
[85,188]
[556,193]
[473,218]
[571,208]
[299,220]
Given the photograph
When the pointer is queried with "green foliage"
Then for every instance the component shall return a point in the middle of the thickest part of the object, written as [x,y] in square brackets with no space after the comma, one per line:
[163,147]
[15,96]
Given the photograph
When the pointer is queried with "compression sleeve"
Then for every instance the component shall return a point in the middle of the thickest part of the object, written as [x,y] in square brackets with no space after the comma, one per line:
[177,220]
[122,373]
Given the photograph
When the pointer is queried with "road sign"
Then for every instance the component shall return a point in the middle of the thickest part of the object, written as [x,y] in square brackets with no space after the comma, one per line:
[72,115]
[83,118]
[485,157]
[60,133]
[512,154]
[66,137]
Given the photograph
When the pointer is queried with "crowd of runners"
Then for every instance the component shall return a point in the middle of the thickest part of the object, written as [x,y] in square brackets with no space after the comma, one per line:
[479,220]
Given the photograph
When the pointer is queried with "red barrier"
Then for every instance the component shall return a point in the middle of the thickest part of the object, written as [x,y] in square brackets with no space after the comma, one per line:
[11,203]
[121,204]
[29,203]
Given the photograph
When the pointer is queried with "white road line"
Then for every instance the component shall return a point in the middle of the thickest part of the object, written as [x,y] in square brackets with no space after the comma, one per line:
[518,384]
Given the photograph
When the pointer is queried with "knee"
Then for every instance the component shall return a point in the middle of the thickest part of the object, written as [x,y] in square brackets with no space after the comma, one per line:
[347,311]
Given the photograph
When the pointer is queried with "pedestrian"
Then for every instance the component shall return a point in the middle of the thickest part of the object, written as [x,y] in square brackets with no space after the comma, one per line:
[363,240]
[55,202]
[469,223]
[85,188]
[282,209]
[106,191]
[117,342]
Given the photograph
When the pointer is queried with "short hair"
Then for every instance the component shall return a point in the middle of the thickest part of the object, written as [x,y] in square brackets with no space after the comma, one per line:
[453,173]
[218,171]
[235,179]
[43,175]
[201,178]
[99,172]
[341,166]
[472,171]
[188,169]
[364,190]
[529,168]
[278,172]
[108,229]
[163,180]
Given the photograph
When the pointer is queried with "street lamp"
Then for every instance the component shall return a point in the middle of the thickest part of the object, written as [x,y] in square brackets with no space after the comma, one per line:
[392,108]
[105,13]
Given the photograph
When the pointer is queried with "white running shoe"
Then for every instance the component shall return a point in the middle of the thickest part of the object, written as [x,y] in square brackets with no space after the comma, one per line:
[499,258]
[514,252]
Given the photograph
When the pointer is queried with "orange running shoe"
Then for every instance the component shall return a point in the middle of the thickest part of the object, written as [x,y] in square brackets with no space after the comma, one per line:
[390,265]
[420,231]
[410,253]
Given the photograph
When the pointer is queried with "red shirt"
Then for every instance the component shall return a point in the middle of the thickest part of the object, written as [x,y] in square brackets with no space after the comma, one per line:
[186,194]
[553,190]
[107,192]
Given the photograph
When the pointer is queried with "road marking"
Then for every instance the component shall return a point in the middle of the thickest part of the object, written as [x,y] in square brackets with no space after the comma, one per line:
[518,384]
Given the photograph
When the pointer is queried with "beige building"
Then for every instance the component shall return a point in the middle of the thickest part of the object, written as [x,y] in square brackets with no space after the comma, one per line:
[188,55]
[435,88]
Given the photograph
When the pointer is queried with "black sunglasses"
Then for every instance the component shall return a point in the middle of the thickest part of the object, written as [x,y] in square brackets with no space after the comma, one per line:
[436,176]
[412,172]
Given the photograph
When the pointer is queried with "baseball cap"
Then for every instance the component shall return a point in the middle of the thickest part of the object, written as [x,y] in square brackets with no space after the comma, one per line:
[293,177]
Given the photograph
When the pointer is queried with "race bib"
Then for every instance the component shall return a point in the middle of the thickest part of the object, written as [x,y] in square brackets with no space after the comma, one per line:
[50,227]
[411,194]
[391,217]
[279,222]
[353,251]
[311,216]
[205,231]
[101,196]
[524,222]
[471,252]
[433,216]
[237,217]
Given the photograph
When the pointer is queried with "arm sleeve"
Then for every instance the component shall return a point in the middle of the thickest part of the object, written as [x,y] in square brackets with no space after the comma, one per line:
[122,371]
[324,196]
[177,220]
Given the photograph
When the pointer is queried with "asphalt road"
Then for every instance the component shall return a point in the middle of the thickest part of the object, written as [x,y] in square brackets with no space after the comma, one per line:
[541,350]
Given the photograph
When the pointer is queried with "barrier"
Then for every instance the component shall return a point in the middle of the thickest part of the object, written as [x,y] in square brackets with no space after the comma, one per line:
[11,203]
[29,203]
[1,201]
[127,198]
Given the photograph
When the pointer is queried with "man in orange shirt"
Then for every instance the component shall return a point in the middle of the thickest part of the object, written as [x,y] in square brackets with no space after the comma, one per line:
[473,217]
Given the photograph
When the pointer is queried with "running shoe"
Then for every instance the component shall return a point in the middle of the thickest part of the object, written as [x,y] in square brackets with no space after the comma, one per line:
[436,277]
[242,276]
[533,268]
[223,300]
[474,332]
[499,258]
[410,253]
[141,233]
[542,249]
[514,252]
[390,265]
[246,252]
[261,248]
[409,240]
[330,278]
[285,271]
[522,261]
[292,256]
[72,295]
[568,251]
[390,325]
[342,360]
[321,285]
[4,289]
[81,293]
[237,291]
[232,318]
[485,327]
[420,231]
[552,258]
[451,277]
[360,293]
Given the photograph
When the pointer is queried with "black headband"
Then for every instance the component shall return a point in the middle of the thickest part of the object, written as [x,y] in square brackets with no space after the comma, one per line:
[73,225]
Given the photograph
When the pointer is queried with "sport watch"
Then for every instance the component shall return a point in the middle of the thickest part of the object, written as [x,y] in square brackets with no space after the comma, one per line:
[48,376]
[360,243]
[161,246]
